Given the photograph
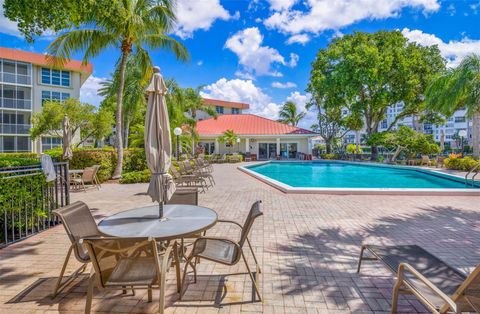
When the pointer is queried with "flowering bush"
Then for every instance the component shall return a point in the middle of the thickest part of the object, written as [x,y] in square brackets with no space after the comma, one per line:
[454,161]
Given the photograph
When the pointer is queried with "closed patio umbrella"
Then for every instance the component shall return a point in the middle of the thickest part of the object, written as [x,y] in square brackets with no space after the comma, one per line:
[67,139]
[158,145]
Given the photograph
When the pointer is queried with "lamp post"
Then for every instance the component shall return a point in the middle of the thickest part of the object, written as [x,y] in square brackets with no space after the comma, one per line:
[462,134]
[238,144]
[178,131]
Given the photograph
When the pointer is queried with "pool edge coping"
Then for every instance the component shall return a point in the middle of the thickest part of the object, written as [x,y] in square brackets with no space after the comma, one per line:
[285,188]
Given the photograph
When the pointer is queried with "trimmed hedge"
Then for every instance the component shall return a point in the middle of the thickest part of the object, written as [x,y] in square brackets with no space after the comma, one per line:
[18,159]
[136,177]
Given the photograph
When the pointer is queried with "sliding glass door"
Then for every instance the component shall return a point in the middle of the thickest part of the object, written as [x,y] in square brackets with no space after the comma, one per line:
[267,150]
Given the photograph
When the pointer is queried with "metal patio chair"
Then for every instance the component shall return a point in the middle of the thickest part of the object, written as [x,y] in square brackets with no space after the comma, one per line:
[440,287]
[130,262]
[188,180]
[89,175]
[226,251]
[79,223]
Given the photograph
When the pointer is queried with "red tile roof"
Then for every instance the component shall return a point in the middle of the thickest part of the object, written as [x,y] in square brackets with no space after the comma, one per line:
[41,59]
[223,103]
[246,124]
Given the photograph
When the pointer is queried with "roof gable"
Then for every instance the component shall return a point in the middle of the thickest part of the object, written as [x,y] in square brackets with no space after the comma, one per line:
[247,124]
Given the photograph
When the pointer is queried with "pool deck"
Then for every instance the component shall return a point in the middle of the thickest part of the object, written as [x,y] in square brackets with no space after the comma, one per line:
[285,188]
[308,247]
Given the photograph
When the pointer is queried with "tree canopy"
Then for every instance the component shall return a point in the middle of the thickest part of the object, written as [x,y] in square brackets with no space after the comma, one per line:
[82,117]
[368,72]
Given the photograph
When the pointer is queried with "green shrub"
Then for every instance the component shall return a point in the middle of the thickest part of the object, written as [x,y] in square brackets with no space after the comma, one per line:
[327,156]
[352,149]
[136,177]
[462,164]
[134,159]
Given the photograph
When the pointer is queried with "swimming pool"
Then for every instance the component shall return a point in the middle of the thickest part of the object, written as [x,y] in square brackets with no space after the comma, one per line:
[350,177]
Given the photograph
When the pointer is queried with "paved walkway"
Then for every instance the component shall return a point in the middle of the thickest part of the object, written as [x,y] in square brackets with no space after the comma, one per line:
[308,246]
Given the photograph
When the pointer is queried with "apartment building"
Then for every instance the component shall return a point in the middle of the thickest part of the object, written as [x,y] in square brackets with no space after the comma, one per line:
[221,107]
[458,122]
[27,80]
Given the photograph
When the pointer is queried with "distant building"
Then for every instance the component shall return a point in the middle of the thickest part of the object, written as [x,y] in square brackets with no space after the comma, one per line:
[27,80]
[221,107]
[262,137]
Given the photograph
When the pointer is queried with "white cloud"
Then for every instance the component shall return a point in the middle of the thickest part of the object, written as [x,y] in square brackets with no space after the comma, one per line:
[320,15]
[293,60]
[301,39]
[278,5]
[6,26]
[254,58]
[89,90]
[243,91]
[194,15]
[284,85]
[200,63]
[453,51]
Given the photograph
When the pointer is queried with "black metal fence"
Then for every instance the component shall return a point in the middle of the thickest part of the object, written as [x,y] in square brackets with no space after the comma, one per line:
[27,200]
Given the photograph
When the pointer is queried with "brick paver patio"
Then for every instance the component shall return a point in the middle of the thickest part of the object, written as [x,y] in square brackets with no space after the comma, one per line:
[308,246]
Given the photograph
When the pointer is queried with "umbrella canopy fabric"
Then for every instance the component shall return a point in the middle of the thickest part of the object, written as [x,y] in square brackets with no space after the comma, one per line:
[67,138]
[158,145]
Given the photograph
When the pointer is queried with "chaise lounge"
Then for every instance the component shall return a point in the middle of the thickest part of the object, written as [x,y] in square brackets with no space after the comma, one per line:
[440,287]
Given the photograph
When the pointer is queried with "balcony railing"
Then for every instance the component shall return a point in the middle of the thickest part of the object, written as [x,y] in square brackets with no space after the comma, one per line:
[7,128]
[16,78]
[13,103]
[28,200]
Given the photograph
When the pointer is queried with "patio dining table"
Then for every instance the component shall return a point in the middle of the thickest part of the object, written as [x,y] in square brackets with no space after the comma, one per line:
[180,221]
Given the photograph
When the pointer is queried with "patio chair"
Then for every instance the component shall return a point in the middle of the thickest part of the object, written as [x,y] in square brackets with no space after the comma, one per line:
[188,180]
[248,156]
[234,158]
[226,251]
[202,166]
[440,160]
[440,287]
[88,176]
[78,222]
[222,159]
[187,169]
[184,195]
[425,161]
[129,262]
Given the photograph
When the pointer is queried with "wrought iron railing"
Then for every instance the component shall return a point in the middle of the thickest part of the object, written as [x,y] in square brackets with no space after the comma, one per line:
[27,200]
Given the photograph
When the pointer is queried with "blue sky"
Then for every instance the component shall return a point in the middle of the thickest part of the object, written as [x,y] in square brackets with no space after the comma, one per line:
[260,51]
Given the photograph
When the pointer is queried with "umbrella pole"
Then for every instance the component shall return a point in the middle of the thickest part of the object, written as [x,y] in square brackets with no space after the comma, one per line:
[160,210]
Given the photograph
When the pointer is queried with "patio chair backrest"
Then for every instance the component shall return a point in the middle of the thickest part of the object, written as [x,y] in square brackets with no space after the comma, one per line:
[88,174]
[252,215]
[425,158]
[78,223]
[106,255]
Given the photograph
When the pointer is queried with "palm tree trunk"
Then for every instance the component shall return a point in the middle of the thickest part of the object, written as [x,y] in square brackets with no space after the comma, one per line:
[476,134]
[117,174]
[126,133]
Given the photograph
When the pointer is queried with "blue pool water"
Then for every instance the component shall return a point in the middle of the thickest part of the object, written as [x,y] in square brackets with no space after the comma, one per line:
[331,174]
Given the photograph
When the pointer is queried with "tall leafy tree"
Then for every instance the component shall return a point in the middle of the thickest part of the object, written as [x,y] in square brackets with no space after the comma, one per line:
[228,137]
[457,88]
[83,118]
[372,71]
[131,26]
[289,114]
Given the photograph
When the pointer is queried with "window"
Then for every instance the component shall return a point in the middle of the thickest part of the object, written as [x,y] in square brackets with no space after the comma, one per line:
[384,124]
[219,109]
[51,142]
[460,119]
[55,77]
[235,111]
[57,96]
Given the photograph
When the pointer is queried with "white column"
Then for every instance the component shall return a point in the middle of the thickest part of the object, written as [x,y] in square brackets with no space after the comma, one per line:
[247,145]
[309,145]
[217,147]
[278,146]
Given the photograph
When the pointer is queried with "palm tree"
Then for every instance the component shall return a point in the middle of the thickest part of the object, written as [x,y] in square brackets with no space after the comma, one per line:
[458,88]
[290,115]
[134,101]
[130,26]
[228,137]
[194,103]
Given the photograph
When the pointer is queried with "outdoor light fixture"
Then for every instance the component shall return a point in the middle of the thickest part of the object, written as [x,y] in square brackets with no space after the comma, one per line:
[238,144]
[178,131]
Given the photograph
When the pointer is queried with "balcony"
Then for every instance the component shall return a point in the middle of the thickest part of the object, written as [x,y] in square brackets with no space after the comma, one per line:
[8,128]
[15,78]
[12,103]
